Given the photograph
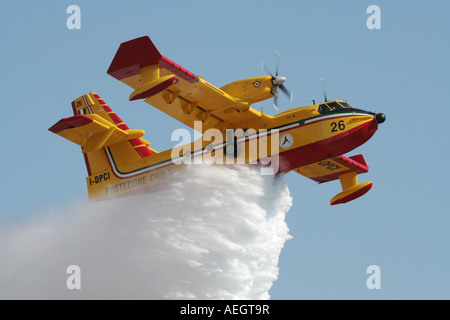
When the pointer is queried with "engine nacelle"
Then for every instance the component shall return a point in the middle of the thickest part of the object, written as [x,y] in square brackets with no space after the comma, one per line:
[252,89]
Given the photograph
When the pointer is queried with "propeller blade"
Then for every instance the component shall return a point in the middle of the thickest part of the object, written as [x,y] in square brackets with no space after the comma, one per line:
[275,91]
[266,70]
[275,97]
[286,91]
[275,103]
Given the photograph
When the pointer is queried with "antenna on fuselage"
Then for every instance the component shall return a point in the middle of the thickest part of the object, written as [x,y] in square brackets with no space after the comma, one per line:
[322,80]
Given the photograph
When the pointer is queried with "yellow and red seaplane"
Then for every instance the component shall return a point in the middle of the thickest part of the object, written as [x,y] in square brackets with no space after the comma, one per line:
[308,140]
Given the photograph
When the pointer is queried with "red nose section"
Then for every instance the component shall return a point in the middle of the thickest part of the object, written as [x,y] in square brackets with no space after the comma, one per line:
[334,146]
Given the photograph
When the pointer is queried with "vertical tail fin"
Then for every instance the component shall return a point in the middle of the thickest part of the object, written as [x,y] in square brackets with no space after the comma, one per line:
[102,135]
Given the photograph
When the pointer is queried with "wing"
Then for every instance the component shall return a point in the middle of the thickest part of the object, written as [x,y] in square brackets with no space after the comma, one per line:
[330,169]
[180,93]
[342,168]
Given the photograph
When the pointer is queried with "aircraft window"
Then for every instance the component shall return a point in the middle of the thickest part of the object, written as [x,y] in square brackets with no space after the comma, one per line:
[323,108]
[334,106]
[345,105]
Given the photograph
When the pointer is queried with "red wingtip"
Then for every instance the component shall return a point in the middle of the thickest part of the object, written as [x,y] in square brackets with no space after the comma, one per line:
[359,158]
[71,122]
[133,55]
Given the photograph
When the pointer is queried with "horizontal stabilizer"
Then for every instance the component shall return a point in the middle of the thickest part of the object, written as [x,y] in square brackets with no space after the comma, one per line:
[93,132]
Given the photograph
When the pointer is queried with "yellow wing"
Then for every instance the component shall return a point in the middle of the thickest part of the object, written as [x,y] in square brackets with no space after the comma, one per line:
[183,95]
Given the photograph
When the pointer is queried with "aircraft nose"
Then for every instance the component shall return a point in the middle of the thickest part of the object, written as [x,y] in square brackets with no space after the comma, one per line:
[380,117]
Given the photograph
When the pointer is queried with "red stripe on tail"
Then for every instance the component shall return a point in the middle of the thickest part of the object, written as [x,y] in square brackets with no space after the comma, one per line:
[138,145]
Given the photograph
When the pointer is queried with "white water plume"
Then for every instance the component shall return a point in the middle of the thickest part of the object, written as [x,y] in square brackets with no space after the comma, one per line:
[216,233]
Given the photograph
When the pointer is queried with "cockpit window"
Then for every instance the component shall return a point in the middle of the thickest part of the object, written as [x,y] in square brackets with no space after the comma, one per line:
[323,108]
[345,105]
[332,106]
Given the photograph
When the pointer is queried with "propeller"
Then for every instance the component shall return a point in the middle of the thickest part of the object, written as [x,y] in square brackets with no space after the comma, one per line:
[277,82]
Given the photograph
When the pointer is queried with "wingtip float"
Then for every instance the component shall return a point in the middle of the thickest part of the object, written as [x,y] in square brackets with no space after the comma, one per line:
[310,140]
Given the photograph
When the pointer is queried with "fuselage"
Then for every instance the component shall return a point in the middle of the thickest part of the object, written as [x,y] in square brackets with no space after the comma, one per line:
[286,141]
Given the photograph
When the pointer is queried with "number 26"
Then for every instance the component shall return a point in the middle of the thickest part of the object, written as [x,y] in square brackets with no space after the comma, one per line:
[335,126]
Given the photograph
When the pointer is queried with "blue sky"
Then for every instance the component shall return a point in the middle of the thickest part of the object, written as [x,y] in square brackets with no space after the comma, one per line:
[402,225]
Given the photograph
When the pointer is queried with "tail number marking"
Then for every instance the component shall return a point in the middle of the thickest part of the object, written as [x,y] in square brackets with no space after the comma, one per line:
[99,178]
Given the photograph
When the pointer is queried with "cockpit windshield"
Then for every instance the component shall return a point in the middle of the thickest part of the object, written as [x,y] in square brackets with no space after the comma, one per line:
[345,104]
[332,106]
